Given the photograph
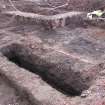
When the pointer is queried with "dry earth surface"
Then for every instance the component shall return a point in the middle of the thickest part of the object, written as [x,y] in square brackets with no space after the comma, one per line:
[60,66]
[9,95]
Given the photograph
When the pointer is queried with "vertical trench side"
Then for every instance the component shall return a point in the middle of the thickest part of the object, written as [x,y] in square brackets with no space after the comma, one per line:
[72,86]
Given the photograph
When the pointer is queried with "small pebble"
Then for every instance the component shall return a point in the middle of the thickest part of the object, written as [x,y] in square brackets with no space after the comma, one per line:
[85,93]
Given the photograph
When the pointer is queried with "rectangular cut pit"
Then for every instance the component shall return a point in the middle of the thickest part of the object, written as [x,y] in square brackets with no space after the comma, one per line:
[68,81]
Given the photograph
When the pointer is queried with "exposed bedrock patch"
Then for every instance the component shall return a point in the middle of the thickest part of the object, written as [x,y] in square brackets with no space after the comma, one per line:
[59,75]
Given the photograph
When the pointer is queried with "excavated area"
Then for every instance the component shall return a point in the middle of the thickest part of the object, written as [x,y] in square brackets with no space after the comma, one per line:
[61,66]
[70,61]
[50,72]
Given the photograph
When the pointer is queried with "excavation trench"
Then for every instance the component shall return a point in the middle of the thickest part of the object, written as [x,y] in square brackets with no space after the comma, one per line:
[21,57]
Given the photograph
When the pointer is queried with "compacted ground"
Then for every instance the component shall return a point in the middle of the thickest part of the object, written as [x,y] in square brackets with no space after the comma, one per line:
[62,66]
[9,95]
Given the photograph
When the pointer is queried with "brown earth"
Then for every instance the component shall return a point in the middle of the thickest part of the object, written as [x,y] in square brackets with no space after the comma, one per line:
[70,60]
[9,95]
